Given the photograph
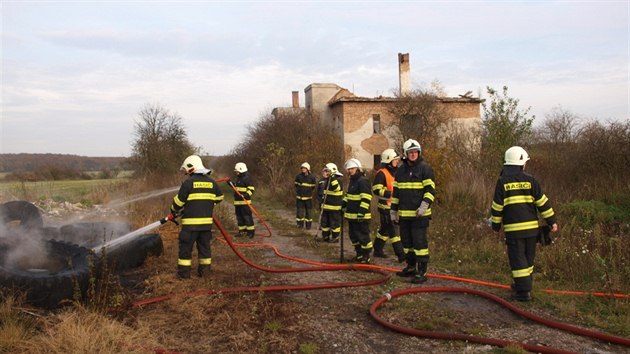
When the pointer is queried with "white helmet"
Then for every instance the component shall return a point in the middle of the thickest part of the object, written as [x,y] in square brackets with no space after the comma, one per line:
[192,163]
[306,166]
[333,169]
[388,156]
[411,145]
[516,156]
[240,167]
[352,163]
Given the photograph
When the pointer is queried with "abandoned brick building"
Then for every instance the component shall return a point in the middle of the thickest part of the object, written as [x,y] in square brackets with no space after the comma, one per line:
[365,125]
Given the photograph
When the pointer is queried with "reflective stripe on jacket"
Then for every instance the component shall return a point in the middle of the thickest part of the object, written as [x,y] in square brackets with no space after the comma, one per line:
[196,199]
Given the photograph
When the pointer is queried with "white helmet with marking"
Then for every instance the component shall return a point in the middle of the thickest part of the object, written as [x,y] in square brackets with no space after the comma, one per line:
[352,163]
[240,167]
[516,156]
[192,163]
[412,145]
[332,168]
[388,156]
[306,166]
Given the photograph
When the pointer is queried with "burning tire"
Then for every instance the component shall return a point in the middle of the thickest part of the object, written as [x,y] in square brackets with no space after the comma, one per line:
[24,213]
[129,254]
[47,279]
[93,234]
[133,253]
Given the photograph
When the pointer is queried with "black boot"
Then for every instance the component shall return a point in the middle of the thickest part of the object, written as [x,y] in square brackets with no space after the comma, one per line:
[421,273]
[203,270]
[308,225]
[410,269]
[365,253]
[183,272]
[378,248]
[399,251]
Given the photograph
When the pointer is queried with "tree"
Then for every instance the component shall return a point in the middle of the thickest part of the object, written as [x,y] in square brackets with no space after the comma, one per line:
[161,142]
[503,125]
[277,144]
[559,127]
[420,115]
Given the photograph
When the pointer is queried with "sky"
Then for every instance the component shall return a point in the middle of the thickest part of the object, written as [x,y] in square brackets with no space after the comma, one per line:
[76,74]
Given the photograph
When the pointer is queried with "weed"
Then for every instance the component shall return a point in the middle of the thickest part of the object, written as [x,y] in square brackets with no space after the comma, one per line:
[308,348]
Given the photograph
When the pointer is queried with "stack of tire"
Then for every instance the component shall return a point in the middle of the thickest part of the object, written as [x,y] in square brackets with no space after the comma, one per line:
[65,274]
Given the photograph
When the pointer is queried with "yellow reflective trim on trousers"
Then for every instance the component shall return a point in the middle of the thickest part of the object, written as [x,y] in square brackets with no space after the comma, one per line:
[428,182]
[496,206]
[525,272]
[205,261]
[242,202]
[178,202]
[548,213]
[196,221]
[202,196]
[518,199]
[336,229]
[184,262]
[497,219]
[540,202]
[421,252]
[382,237]
[304,198]
[395,239]
[520,226]
[368,246]
[250,228]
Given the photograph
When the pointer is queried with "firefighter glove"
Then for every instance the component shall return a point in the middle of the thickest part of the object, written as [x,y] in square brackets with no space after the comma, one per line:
[393,214]
[422,209]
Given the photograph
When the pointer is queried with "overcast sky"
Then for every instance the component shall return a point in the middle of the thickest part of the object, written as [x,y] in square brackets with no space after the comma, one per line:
[75,74]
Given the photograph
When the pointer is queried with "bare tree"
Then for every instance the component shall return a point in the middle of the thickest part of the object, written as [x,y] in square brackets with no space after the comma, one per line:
[559,127]
[161,141]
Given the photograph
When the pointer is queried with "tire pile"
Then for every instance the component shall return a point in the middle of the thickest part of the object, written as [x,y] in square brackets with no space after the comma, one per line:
[52,265]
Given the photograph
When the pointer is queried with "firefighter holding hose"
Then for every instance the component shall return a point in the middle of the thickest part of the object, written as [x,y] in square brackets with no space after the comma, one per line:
[243,191]
[518,198]
[195,202]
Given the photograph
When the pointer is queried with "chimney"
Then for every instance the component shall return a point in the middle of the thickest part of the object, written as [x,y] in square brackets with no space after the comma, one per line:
[296,99]
[403,74]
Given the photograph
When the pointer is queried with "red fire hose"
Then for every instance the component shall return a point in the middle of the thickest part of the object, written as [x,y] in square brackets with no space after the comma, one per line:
[386,272]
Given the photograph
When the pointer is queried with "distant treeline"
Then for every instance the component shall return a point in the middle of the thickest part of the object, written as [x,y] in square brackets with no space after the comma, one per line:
[37,167]
[34,162]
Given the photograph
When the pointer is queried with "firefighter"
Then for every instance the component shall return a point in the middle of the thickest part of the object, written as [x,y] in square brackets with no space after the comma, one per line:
[305,183]
[382,188]
[414,192]
[195,201]
[518,198]
[243,191]
[330,194]
[356,206]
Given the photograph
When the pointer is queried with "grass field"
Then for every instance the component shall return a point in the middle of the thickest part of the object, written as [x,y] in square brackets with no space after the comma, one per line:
[85,191]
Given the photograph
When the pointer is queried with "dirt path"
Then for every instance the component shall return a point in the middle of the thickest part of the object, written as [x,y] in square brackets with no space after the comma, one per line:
[321,321]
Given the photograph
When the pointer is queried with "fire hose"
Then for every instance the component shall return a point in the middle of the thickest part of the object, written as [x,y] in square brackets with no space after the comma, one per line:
[386,276]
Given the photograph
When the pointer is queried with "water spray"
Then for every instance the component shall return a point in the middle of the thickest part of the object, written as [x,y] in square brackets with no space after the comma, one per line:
[140,231]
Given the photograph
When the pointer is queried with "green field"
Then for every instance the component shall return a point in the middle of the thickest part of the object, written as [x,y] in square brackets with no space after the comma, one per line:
[73,191]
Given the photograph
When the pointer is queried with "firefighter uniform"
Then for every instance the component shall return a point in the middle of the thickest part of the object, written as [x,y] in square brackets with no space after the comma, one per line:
[414,184]
[518,198]
[330,194]
[356,204]
[242,199]
[305,184]
[195,200]
[383,187]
